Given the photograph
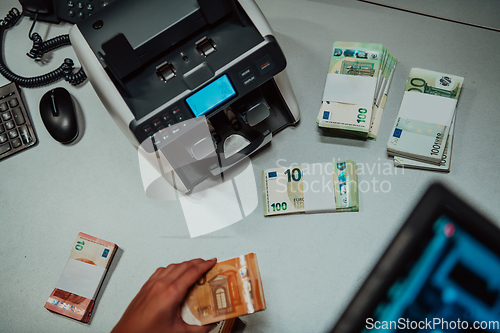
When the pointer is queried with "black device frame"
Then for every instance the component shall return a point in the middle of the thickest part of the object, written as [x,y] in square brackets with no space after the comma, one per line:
[407,246]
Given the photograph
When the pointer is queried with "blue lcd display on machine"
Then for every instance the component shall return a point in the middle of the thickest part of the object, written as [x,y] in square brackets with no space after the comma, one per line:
[211,96]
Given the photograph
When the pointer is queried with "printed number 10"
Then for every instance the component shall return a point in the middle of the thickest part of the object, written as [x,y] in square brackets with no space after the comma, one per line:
[295,175]
[79,245]
[361,115]
[279,206]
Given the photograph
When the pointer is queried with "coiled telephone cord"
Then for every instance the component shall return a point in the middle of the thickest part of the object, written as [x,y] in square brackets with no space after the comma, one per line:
[37,51]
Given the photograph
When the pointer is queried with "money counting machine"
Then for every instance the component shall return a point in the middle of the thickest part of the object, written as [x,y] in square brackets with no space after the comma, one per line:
[202,82]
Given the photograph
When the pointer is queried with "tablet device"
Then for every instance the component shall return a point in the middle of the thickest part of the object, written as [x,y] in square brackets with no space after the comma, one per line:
[441,273]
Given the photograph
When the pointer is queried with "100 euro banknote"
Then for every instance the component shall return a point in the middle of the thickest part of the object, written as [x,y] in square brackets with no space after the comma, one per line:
[351,85]
[311,188]
[232,288]
[427,109]
[445,164]
[381,100]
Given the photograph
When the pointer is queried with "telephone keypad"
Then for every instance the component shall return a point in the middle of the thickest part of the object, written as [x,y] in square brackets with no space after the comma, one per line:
[74,11]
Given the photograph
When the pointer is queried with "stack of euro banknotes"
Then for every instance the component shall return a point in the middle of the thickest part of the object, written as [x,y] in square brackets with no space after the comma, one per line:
[76,291]
[422,136]
[231,289]
[356,89]
[311,188]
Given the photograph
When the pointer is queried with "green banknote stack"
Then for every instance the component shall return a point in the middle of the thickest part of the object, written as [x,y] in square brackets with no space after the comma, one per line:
[311,188]
[356,88]
[422,136]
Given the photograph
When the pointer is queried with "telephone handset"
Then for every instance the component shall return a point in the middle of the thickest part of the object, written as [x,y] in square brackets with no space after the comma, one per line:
[49,11]
[55,11]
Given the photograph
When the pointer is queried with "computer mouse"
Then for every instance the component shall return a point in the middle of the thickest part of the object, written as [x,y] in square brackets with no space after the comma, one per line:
[59,115]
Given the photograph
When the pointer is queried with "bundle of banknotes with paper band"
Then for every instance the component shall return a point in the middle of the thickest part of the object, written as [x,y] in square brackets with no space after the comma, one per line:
[356,88]
[77,288]
[311,188]
[231,289]
[422,136]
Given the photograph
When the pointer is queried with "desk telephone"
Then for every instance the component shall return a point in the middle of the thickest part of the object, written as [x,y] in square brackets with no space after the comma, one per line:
[55,11]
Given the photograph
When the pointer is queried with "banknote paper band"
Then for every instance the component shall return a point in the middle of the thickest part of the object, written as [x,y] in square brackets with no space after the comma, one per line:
[427,108]
[81,279]
[319,189]
[350,89]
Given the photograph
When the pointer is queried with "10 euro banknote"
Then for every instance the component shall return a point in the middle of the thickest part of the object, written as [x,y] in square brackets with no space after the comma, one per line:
[79,283]
[311,188]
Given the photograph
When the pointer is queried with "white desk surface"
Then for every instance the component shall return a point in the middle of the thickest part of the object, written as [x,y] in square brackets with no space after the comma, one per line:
[483,13]
[311,265]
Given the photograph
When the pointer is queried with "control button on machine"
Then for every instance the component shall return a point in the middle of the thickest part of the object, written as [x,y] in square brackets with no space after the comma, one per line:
[3,138]
[249,80]
[166,117]
[265,64]
[157,123]
[3,107]
[244,73]
[147,129]
[180,117]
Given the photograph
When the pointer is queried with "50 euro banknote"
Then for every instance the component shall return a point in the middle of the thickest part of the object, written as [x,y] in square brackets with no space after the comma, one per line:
[81,279]
[231,289]
[311,188]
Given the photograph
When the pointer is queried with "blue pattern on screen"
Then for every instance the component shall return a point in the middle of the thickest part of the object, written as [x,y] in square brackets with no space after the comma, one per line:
[211,96]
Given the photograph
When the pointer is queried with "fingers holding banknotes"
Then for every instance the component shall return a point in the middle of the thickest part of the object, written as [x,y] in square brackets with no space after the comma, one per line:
[156,308]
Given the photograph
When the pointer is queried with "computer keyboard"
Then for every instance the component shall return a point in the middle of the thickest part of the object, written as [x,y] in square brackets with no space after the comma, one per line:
[16,130]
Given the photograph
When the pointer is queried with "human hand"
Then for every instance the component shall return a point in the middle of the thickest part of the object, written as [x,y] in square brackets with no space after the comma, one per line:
[157,306]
